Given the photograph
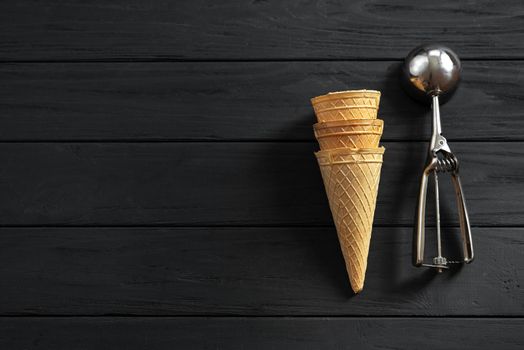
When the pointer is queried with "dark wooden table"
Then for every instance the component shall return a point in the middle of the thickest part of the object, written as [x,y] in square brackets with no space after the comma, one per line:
[159,190]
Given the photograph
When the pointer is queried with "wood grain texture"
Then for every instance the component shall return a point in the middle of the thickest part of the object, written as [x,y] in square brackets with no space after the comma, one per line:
[249,271]
[125,241]
[237,183]
[234,29]
[239,101]
[266,333]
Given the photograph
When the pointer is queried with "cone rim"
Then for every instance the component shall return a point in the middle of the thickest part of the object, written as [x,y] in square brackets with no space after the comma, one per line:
[363,93]
[348,122]
[348,133]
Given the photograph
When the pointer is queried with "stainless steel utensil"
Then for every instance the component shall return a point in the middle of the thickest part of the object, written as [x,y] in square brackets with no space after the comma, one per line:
[431,73]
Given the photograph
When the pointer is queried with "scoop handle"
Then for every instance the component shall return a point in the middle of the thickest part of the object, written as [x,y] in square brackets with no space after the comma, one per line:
[465,227]
[418,233]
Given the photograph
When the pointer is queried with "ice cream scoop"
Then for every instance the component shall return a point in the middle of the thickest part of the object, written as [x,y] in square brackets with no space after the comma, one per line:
[431,73]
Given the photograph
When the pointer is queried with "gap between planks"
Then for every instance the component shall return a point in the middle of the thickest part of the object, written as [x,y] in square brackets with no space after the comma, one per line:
[247,60]
[156,141]
[253,316]
[185,226]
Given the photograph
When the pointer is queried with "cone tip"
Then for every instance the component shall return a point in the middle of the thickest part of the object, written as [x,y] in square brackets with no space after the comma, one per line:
[357,289]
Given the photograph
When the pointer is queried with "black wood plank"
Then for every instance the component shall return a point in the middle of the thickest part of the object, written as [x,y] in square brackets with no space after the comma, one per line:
[239,101]
[265,333]
[234,29]
[234,183]
[249,271]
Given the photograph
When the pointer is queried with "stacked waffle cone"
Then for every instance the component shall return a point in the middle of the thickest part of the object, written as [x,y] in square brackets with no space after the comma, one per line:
[350,160]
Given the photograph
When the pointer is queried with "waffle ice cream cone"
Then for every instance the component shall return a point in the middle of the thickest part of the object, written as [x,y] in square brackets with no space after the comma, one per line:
[346,105]
[363,133]
[351,178]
